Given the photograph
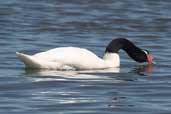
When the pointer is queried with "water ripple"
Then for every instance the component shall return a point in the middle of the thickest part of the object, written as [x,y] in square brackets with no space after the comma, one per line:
[32,26]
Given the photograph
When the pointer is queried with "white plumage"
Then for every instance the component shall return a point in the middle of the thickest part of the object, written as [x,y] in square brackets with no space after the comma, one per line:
[69,58]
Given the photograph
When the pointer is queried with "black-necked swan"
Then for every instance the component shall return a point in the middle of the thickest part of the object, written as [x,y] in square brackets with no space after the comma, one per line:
[66,58]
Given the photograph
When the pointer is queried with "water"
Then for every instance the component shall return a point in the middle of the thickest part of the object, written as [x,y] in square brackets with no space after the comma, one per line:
[32,26]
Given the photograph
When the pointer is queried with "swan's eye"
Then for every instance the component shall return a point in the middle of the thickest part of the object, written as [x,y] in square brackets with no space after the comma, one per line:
[146,52]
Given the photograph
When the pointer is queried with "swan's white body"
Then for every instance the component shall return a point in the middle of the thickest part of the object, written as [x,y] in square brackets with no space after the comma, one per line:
[69,58]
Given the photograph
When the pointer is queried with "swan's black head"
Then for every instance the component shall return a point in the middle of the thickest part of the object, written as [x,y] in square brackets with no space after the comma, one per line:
[142,56]
[133,51]
[149,57]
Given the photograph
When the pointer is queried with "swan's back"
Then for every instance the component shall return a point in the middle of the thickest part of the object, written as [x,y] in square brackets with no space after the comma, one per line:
[66,57]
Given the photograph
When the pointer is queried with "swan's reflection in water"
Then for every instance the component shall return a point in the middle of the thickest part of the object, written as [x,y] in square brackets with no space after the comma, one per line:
[90,74]
[85,74]
[87,86]
[144,69]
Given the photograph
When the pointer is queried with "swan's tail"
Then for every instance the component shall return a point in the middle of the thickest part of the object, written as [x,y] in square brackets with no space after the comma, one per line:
[28,60]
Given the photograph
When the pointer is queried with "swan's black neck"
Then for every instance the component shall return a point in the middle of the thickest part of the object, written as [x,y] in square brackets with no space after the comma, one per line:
[133,51]
[121,43]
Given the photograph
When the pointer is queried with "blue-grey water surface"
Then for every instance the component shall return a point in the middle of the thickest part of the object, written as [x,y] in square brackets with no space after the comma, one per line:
[32,26]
